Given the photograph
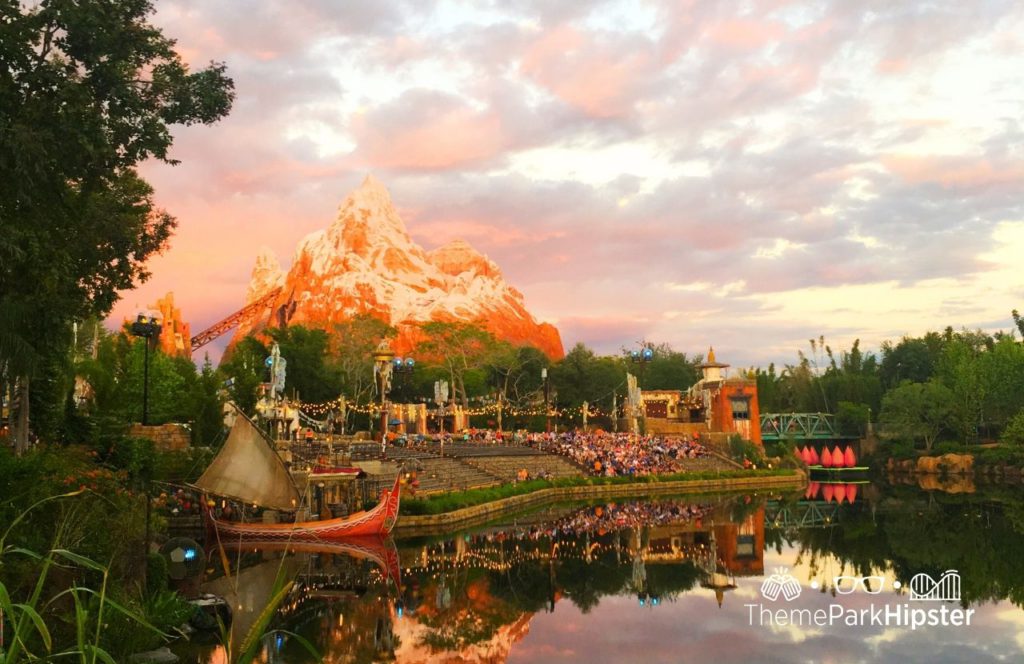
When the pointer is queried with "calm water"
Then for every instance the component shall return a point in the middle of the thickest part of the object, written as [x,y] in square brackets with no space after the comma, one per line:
[715,578]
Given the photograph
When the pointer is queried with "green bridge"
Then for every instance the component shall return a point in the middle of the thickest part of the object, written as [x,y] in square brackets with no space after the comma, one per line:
[800,427]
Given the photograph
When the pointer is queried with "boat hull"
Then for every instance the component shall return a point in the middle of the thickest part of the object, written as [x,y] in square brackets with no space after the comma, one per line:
[375,522]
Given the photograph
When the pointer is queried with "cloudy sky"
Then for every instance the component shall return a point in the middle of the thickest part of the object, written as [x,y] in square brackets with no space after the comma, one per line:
[747,174]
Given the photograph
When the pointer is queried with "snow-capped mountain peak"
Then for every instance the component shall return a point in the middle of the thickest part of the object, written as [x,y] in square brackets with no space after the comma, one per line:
[366,262]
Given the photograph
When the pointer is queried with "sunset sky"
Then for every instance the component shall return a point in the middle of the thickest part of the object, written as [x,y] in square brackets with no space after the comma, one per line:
[747,174]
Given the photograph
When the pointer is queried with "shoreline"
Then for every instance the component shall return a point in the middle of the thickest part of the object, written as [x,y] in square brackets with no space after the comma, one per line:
[429,524]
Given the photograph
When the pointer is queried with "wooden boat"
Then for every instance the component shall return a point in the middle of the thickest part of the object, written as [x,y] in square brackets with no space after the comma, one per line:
[248,469]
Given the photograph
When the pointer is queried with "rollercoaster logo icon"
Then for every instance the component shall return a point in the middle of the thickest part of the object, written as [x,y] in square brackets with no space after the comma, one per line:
[923,588]
[781,583]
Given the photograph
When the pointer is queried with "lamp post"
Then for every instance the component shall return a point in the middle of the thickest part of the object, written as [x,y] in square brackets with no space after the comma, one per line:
[146,327]
[642,357]
[404,368]
[547,399]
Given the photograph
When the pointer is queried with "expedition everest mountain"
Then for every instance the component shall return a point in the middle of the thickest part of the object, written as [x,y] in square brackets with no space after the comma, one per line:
[366,263]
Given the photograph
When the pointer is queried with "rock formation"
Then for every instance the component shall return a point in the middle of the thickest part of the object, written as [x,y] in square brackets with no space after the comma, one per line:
[366,263]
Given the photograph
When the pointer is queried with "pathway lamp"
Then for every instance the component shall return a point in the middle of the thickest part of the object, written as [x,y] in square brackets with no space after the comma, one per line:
[146,327]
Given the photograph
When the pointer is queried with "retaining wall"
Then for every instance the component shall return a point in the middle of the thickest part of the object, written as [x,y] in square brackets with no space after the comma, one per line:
[425,524]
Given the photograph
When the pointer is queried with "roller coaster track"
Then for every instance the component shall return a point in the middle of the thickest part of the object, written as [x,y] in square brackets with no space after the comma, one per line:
[245,314]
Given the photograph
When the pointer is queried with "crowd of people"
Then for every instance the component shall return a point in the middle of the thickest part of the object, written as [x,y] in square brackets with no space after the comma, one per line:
[615,454]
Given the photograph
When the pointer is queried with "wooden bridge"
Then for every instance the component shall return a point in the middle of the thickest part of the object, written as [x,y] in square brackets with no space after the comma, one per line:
[800,427]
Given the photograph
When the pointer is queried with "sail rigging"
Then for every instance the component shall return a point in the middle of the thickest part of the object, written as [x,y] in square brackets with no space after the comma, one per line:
[247,468]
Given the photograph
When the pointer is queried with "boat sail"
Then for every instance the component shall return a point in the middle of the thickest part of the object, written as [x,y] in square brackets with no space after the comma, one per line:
[248,469]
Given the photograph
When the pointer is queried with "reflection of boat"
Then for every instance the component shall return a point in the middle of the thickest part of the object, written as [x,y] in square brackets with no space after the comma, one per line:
[248,469]
[379,550]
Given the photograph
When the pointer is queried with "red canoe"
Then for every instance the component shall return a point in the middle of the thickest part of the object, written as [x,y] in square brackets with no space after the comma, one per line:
[377,521]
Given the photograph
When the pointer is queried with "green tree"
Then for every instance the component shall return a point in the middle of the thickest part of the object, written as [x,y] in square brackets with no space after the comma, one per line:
[917,412]
[1013,434]
[88,90]
[353,343]
[310,370]
[462,348]
[670,369]
[245,370]
[583,376]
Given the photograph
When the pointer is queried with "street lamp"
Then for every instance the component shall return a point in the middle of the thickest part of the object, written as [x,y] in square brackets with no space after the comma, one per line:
[547,398]
[146,327]
[404,368]
[642,357]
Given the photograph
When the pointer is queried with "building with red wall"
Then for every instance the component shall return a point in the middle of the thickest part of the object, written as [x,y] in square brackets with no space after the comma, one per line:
[717,403]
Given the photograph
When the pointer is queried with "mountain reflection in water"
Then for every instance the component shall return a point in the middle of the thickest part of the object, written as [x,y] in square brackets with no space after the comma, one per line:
[668,579]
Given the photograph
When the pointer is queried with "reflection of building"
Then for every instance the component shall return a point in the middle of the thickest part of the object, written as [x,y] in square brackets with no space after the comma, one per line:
[741,545]
[716,404]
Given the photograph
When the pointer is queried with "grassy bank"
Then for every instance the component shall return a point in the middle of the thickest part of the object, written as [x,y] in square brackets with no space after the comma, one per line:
[449,502]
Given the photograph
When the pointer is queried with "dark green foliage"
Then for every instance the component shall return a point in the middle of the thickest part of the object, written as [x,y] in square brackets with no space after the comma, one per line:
[246,369]
[88,90]
[1013,434]
[852,418]
[311,374]
[742,450]
[156,574]
[917,412]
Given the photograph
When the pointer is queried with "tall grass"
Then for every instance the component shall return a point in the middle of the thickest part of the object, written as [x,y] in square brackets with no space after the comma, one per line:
[31,639]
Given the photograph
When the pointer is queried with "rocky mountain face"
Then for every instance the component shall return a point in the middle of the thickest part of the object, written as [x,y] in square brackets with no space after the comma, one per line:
[366,263]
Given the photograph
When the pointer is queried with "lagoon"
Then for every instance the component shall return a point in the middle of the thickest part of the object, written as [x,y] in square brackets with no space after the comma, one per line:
[761,577]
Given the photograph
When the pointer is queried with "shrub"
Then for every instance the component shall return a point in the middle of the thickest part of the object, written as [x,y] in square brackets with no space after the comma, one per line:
[949,447]
[741,449]
[899,449]
[156,574]
[1013,434]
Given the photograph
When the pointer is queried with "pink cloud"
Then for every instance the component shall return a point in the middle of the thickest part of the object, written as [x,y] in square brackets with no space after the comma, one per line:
[427,131]
[955,172]
[602,80]
[745,34]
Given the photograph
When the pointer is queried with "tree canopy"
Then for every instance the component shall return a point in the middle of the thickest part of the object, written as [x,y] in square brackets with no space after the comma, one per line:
[88,90]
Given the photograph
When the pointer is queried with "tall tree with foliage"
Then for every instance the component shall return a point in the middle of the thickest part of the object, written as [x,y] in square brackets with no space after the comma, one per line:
[462,348]
[88,90]
[311,371]
[352,344]
[918,412]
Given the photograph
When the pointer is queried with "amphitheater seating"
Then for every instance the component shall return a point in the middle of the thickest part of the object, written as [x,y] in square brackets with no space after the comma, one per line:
[436,474]
[507,468]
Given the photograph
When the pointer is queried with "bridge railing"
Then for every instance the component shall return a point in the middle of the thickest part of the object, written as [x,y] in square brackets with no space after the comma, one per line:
[799,426]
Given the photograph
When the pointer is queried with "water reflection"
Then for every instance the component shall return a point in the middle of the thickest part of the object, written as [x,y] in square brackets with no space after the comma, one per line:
[669,578]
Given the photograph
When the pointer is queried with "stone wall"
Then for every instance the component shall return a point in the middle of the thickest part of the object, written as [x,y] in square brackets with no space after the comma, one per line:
[164,436]
[437,523]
